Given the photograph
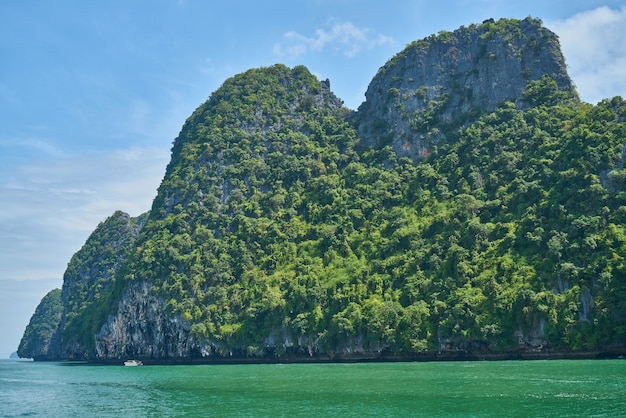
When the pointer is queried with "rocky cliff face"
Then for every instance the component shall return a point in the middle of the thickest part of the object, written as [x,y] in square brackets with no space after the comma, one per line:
[140,328]
[89,274]
[43,324]
[278,228]
[444,81]
[269,106]
[254,108]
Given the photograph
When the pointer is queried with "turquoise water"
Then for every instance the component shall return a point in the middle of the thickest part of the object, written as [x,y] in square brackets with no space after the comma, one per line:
[482,389]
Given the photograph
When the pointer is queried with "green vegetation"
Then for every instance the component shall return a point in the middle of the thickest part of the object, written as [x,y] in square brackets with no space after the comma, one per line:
[272,233]
[525,235]
[276,231]
[42,326]
[89,289]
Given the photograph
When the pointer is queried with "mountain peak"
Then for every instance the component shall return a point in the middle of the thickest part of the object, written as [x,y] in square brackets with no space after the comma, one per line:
[447,80]
[280,232]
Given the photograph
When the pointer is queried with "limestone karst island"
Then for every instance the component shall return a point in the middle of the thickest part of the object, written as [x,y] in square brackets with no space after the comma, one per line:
[472,207]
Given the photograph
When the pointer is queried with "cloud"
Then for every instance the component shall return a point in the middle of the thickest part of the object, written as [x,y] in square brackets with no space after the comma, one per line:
[595,51]
[20,146]
[18,300]
[51,206]
[342,37]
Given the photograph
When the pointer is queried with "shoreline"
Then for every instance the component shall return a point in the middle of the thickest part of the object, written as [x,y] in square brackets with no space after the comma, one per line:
[449,356]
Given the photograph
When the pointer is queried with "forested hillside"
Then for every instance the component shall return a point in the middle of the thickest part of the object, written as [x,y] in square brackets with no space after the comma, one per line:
[64,317]
[288,226]
[44,323]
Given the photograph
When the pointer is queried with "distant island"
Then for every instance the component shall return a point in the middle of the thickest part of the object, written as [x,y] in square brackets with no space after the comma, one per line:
[472,207]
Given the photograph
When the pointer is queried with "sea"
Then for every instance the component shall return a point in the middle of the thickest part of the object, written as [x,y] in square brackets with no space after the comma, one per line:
[547,388]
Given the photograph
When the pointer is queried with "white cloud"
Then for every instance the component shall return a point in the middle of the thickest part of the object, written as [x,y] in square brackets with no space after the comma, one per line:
[22,145]
[50,207]
[342,37]
[18,300]
[594,45]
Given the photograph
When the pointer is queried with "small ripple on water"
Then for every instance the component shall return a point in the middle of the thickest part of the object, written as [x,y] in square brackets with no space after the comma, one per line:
[399,389]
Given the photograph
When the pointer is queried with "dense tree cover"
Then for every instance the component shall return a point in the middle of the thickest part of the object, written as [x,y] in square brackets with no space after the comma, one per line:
[67,318]
[274,231]
[42,325]
[87,291]
[527,239]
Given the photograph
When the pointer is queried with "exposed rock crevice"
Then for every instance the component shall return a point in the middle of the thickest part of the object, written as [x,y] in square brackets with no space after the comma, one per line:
[449,79]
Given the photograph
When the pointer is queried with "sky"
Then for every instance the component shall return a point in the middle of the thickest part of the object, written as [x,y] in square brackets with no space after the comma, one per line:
[92,95]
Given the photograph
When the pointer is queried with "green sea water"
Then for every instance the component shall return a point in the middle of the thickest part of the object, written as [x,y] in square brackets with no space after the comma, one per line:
[558,388]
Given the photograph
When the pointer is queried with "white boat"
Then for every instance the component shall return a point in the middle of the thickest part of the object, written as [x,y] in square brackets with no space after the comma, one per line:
[133,363]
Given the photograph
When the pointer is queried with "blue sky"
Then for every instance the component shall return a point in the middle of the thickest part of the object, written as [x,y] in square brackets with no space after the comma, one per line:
[92,95]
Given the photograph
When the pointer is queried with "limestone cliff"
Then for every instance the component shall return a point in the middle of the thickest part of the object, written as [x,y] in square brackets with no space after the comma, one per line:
[225,155]
[444,81]
[43,324]
[88,276]
[286,226]
[141,328]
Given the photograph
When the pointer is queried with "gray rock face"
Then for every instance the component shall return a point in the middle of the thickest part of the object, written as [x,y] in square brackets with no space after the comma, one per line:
[141,329]
[89,274]
[38,334]
[422,94]
[446,80]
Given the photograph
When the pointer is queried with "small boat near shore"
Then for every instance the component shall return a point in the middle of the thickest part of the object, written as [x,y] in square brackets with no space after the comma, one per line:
[133,363]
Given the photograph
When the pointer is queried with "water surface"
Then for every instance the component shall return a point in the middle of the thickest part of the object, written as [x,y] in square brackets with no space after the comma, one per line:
[554,388]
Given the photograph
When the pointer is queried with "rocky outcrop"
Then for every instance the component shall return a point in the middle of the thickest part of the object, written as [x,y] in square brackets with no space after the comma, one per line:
[257,243]
[449,79]
[89,275]
[140,328]
[43,324]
